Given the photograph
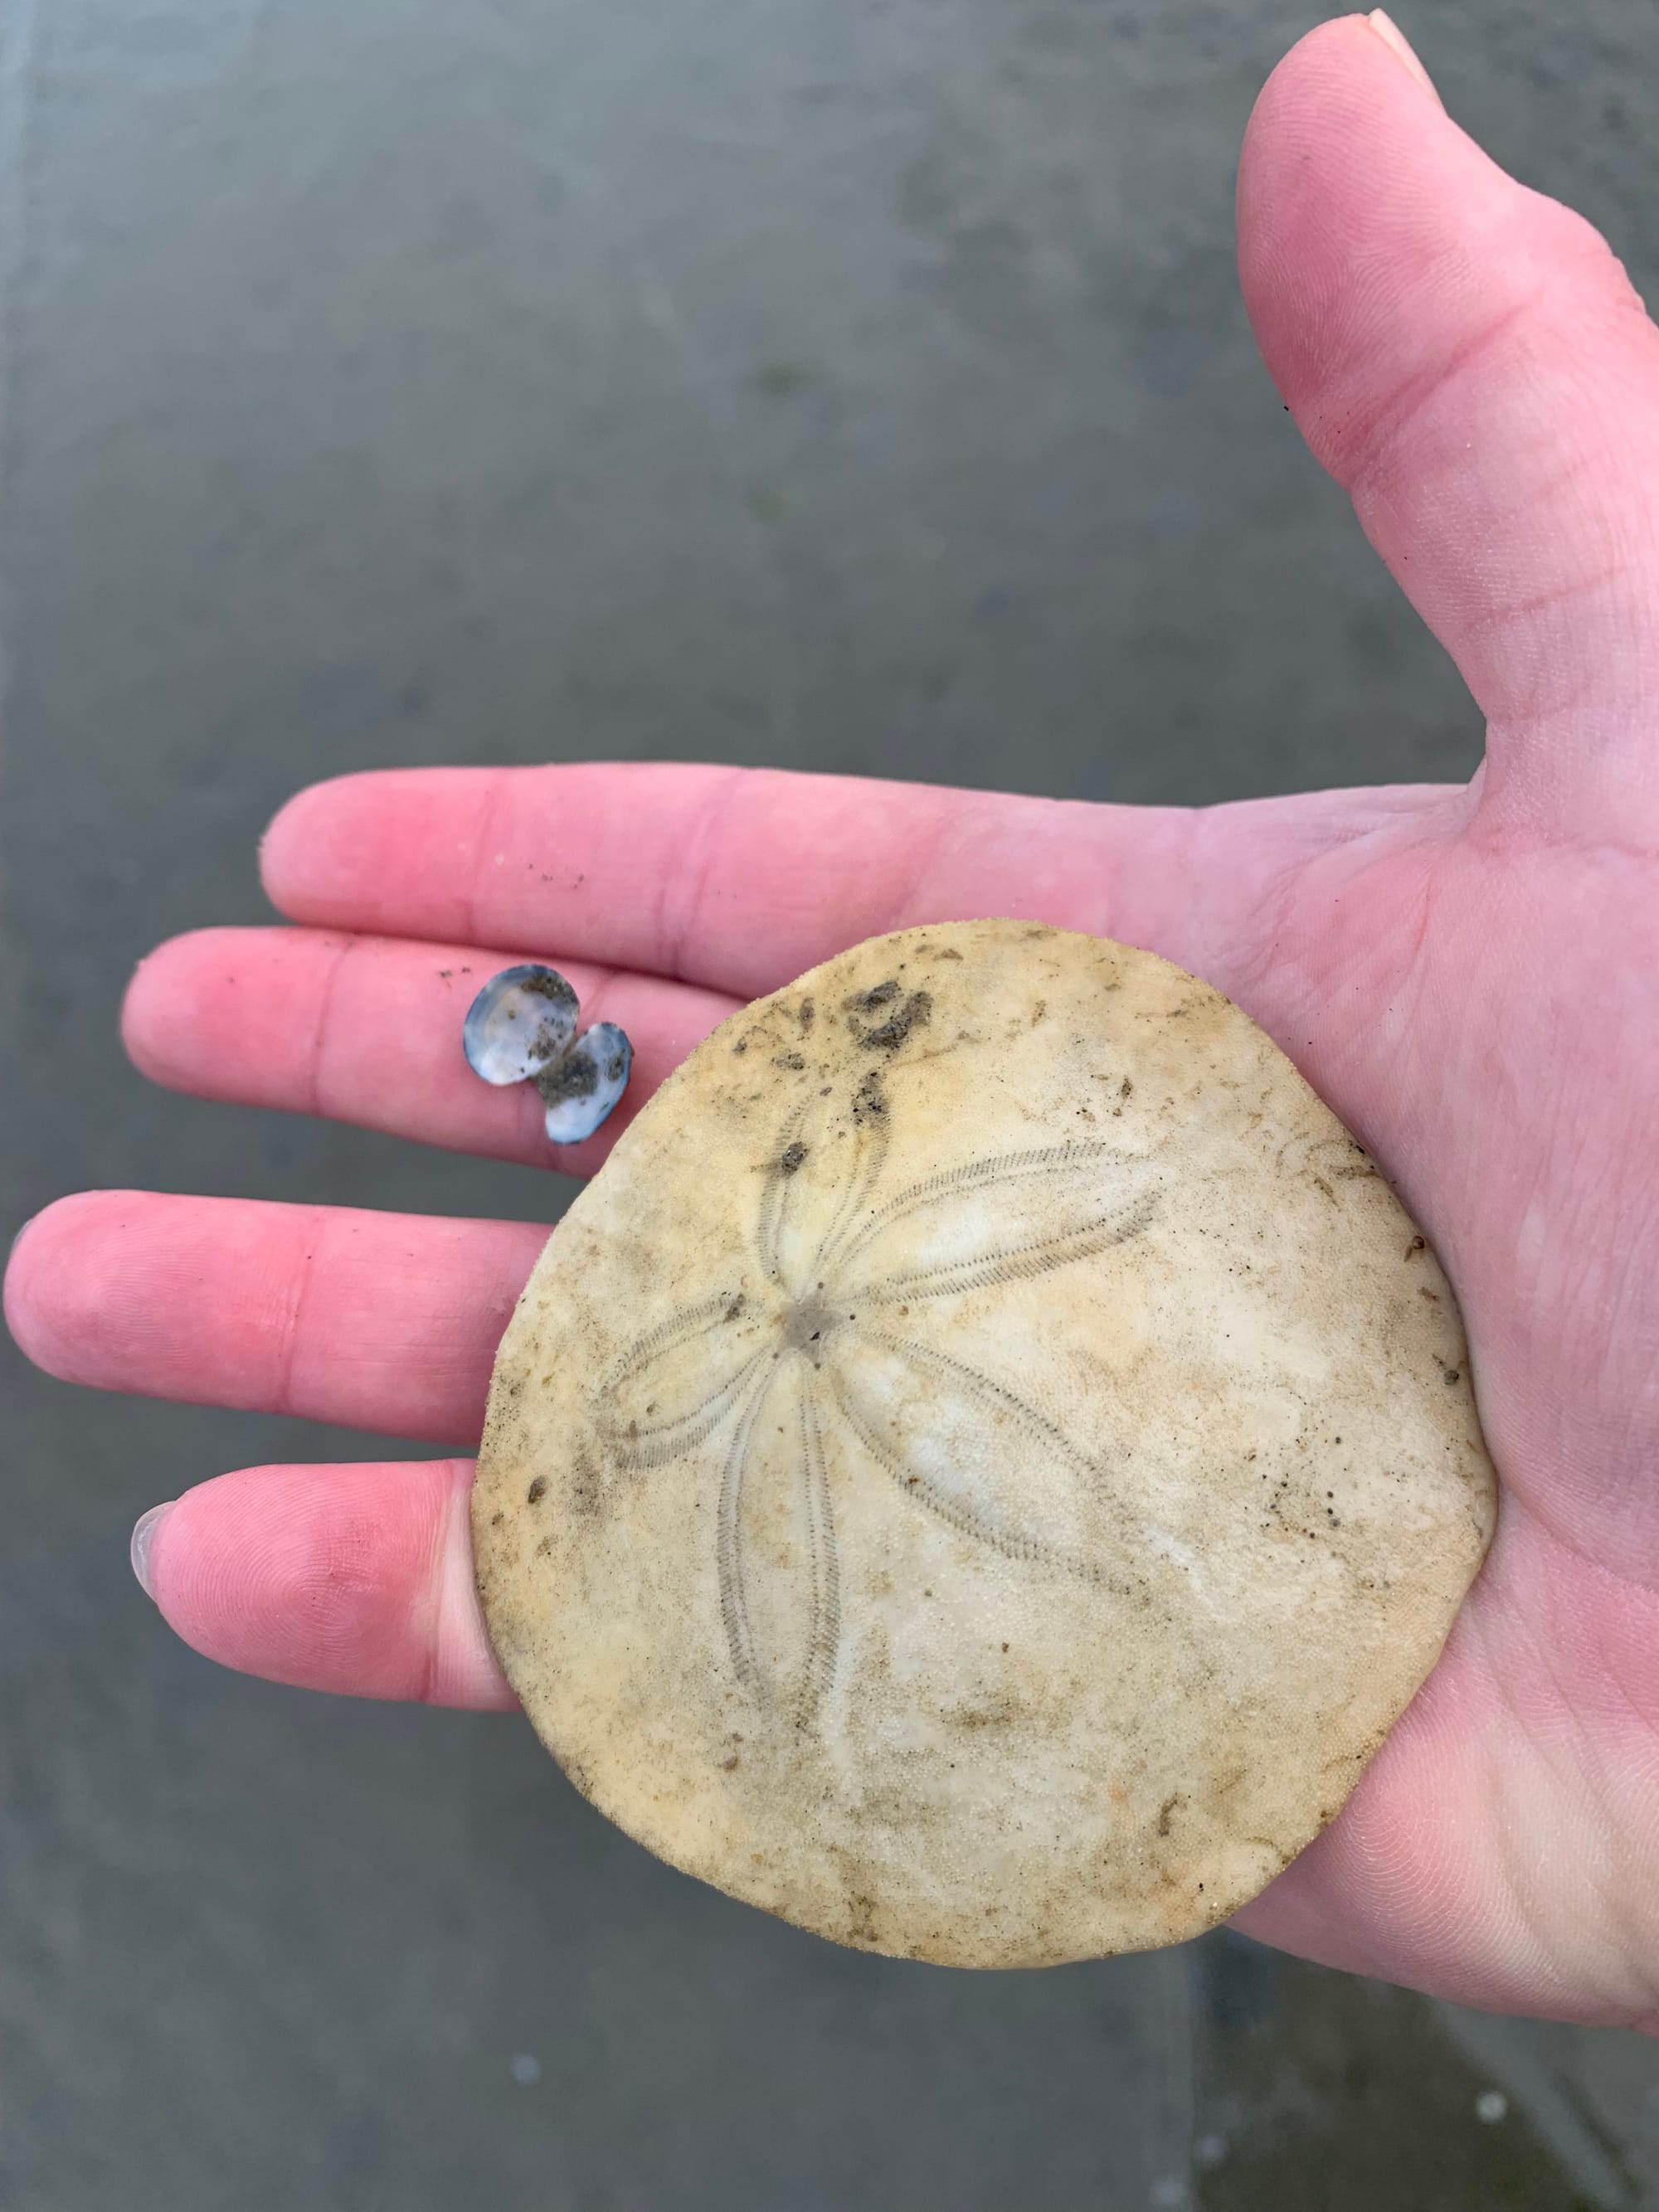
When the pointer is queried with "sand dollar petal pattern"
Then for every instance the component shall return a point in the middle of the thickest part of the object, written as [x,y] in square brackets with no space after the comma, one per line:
[841,1273]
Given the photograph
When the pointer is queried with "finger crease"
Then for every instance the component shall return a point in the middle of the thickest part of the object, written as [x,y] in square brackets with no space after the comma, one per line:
[685,887]
[484,856]
[282,1391]
[1419,391]
[908,901]
[324,1021]
[459,1501]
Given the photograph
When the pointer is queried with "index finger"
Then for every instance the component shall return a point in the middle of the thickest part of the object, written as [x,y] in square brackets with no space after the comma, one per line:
[738,879]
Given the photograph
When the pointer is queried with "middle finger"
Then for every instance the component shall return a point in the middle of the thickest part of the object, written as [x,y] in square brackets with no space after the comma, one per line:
[386,1321]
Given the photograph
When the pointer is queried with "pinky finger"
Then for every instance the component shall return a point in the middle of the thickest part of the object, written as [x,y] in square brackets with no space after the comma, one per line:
[357,1579]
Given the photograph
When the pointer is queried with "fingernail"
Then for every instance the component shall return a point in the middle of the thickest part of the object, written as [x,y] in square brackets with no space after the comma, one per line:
[143,1537]
[1394,38]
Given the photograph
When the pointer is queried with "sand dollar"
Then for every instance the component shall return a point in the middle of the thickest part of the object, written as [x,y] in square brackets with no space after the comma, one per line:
[985,1461]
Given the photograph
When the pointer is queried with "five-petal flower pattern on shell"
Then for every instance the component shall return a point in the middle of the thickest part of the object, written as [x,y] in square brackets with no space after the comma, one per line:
[826,1336]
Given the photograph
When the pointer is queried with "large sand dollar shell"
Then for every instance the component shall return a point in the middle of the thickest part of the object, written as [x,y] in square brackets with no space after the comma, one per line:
[982,1467]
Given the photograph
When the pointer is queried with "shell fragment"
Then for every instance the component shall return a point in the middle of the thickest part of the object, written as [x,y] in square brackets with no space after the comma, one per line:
[522,1028]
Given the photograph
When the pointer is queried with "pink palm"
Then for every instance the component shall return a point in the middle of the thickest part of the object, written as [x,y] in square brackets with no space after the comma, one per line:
[1462,974]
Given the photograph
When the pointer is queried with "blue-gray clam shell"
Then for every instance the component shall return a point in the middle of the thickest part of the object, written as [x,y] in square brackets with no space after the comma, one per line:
[523,1019]
[583,1086]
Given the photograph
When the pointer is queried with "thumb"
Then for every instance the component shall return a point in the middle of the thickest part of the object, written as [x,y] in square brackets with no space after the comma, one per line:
[1470,362]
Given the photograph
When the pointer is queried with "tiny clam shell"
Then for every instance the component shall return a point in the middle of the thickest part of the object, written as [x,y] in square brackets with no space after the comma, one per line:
[522,1018]
[582,1088]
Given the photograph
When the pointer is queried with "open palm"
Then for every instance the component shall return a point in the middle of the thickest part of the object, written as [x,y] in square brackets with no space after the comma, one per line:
[1466,974]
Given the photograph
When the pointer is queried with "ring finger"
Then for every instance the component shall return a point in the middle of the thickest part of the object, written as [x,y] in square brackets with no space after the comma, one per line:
[368,1029]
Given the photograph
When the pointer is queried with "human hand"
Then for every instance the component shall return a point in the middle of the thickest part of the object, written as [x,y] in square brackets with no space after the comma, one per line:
[1465,974]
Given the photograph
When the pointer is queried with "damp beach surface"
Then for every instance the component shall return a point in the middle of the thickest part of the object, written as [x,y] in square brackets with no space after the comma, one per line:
[981,1468]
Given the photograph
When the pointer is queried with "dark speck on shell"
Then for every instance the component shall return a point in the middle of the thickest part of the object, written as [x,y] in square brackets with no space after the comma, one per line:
[883,1020]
